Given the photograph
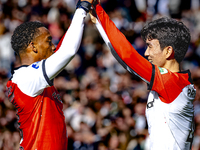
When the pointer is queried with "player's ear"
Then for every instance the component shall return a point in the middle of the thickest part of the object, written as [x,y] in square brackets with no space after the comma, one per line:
[32,47]
[169,52]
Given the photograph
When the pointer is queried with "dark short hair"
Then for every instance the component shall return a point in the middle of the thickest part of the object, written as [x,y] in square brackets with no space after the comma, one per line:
[24,34]
[169,32]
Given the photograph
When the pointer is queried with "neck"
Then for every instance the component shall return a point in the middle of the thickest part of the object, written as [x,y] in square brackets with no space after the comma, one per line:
[25,59]
[172,65]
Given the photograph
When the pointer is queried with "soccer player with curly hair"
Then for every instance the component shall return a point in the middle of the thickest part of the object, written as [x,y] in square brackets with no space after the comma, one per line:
[169,109]
[30,89]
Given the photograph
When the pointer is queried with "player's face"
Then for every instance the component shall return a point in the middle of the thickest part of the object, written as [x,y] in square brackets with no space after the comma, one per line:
[43,44]
[154,53]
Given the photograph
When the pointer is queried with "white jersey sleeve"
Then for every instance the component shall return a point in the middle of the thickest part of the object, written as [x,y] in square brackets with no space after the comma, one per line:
[69,46]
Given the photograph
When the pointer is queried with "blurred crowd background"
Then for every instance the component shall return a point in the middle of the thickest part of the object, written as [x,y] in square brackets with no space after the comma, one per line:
[104,105]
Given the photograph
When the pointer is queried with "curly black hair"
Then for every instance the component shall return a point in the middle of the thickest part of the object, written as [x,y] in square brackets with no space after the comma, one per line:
[169,32]
[24,34]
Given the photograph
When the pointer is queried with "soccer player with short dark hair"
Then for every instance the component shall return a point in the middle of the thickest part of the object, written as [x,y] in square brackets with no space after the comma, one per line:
[169,110]
[30,89]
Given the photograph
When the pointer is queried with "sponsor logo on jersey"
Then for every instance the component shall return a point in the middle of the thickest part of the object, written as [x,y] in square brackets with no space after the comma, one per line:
[191,92]
[56,96]
[36,65]
[163,70]
[150,104]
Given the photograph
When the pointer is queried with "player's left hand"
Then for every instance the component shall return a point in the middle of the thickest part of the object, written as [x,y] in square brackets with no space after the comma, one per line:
[93,16]
[92,12]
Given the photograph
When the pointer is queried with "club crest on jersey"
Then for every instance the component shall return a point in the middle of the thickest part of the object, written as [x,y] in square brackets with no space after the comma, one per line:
[36,65]
[163,70]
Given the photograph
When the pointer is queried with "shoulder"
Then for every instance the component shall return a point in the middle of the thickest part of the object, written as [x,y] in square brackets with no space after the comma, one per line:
[182,76]
[30,79]
[23,72]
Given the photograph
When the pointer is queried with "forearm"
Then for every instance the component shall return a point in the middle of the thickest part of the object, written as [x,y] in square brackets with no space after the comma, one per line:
[102,32]
[121,48]
[68,46]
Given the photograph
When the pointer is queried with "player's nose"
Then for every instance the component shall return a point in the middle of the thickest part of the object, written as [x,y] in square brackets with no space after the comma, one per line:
[53,48]
[146,53]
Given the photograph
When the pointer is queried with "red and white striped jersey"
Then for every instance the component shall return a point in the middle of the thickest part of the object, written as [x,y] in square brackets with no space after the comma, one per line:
[41,119]
[169,110]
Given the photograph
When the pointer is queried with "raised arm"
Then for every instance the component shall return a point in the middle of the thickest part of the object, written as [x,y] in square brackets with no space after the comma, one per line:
[121,48]
[70,42]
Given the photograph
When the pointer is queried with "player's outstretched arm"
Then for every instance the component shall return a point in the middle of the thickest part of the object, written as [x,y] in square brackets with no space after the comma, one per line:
[70,42]
[120,47]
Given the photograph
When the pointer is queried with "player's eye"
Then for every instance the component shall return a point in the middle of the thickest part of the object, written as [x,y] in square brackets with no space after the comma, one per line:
[149,46]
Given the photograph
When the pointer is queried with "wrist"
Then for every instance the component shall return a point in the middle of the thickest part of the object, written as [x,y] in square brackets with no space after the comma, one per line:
[95,3]
[84,5]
